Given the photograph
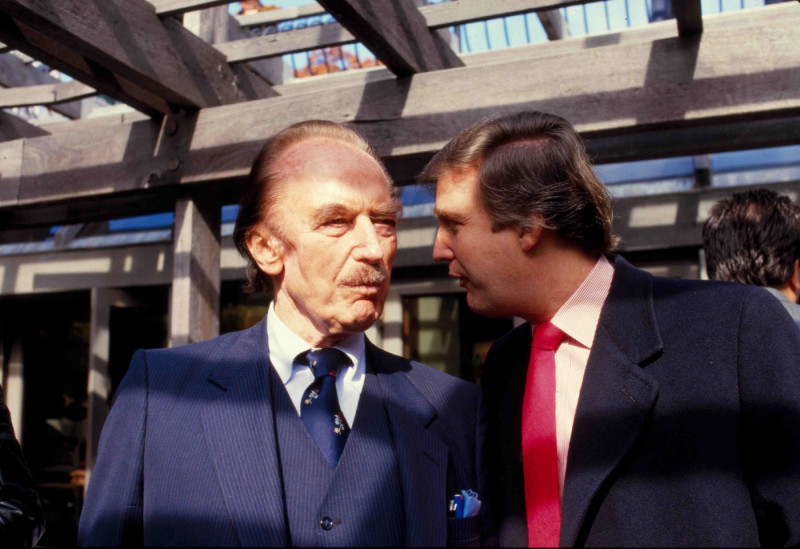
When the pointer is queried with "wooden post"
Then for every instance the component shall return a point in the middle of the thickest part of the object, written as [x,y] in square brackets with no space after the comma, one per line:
[15,387]
[194,306]
[98,385]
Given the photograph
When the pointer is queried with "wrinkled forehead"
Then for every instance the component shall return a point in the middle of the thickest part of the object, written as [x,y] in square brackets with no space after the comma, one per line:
[316,159]
[321,172]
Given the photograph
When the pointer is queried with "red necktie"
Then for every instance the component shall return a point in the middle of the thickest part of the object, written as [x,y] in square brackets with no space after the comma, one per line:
[539,450]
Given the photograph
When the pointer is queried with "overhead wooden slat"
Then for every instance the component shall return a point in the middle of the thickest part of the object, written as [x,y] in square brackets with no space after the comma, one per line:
[46,94]
[444,14]
[281,43]
[121,48]
[689,16]
[636,89]
[395,32]
[272,17]
[458,12]
[175,7]
[15,73]
[12,127]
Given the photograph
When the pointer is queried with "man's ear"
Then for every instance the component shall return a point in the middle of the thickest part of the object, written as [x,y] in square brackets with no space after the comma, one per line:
[267,250]
[530,236]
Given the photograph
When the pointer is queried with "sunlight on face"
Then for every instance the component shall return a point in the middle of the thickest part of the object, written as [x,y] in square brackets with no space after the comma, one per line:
[338,222]
[483,261]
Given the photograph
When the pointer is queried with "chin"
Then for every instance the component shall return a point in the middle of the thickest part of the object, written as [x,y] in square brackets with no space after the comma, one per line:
[485,309]
[361,323]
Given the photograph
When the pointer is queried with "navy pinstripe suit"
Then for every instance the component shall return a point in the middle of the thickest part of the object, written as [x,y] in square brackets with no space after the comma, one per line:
[189,456]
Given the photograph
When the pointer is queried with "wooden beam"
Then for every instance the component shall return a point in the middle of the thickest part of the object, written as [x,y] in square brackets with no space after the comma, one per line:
[16,73]
[281,43]
[274,71]
[272,17]
[395,32]
[457,12]
[46,94]
[177,7]
[215,25]
[444,14]
[689,16]
[12,127]
[689,140]
[607,92]
[121,48]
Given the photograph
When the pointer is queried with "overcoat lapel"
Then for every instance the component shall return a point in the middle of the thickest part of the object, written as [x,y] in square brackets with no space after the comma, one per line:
[617,395]
[239,430]
[422,456]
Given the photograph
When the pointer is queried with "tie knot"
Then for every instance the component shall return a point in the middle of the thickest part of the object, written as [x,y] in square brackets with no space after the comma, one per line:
[326,362]
[547,336]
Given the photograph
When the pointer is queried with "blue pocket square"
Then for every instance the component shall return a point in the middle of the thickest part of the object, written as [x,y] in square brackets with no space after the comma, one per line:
[466,504]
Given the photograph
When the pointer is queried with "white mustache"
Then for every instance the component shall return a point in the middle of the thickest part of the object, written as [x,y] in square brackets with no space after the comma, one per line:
[376,275]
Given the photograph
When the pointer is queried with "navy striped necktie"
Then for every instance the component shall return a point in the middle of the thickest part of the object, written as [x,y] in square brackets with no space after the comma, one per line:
[319,410]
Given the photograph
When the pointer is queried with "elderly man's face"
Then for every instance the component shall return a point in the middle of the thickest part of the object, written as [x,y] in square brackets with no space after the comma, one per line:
[337,225]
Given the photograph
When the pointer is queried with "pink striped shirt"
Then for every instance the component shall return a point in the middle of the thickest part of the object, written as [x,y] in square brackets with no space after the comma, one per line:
[577,318]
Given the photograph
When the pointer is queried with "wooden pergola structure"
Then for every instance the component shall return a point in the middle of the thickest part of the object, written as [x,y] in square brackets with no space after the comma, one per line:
[206,96]
[205,100]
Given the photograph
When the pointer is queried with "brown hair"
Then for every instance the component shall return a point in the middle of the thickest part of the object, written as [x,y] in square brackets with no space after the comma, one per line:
[753,237]
[532,163]
[261,189]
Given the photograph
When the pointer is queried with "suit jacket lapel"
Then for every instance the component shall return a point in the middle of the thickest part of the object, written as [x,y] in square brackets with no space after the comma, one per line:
[616,397]
[240,434]
[422,456]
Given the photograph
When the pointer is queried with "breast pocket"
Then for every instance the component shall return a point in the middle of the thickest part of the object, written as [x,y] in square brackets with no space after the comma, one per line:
[464,532]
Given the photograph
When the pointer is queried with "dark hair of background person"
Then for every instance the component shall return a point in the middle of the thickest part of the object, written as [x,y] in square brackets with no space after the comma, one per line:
[261,189]
[753,237]
[532,163]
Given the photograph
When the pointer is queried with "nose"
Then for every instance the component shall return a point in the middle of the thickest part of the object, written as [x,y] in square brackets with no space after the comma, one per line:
[368,246]
[441,248]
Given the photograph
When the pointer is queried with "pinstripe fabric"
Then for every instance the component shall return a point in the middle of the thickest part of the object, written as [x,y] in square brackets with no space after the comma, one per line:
[577,318]
[189,456]
[362,495]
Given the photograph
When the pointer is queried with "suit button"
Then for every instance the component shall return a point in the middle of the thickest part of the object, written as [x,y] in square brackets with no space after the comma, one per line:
[326,523]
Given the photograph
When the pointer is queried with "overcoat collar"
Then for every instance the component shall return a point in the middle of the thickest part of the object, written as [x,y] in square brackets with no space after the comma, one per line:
[239,428]
[617,395]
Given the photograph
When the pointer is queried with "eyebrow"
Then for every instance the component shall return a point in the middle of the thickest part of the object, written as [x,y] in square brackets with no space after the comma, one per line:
[443,215]
[391,209]
[332,211]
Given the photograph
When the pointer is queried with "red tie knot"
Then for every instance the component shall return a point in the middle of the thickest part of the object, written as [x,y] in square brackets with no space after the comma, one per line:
[547,336]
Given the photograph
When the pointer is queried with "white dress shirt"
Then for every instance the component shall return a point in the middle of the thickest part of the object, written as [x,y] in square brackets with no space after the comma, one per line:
[578,318]
[284,345]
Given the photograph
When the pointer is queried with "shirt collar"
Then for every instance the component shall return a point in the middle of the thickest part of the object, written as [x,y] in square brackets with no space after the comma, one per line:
[579,316]
[284,345]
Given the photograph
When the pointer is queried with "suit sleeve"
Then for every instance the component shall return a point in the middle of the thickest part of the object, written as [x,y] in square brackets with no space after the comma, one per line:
[769,393]
[112,511]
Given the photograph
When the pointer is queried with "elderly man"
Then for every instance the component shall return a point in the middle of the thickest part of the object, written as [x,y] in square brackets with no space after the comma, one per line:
[753,237]
[630,410]
[298,431]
